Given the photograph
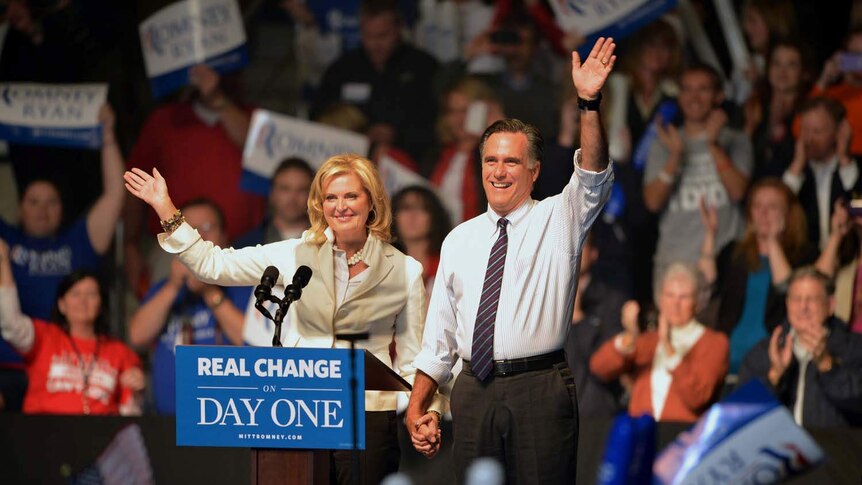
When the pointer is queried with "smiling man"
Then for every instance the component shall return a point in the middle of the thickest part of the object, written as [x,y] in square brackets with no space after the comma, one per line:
[502,301]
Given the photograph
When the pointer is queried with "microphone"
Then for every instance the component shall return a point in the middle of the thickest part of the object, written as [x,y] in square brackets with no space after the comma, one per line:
[300,280]
[263,291]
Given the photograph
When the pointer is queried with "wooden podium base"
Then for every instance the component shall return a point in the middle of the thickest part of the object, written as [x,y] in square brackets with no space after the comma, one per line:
[301,467]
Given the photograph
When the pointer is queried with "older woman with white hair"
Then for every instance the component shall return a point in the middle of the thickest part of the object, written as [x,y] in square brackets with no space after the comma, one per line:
[678,368]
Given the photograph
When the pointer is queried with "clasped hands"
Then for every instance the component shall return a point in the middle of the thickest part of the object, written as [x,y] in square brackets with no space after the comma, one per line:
[425,433]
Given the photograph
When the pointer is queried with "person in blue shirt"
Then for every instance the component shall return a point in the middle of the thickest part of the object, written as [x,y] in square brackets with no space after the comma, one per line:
[42,252]
[183,310]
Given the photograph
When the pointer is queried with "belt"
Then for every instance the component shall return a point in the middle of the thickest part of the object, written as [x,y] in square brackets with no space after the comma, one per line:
[510,367]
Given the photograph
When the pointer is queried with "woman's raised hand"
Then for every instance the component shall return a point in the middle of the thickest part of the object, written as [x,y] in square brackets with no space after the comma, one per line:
[152,189]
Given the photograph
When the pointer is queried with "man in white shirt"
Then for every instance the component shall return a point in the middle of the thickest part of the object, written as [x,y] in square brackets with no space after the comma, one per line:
[503,299]
[822,171]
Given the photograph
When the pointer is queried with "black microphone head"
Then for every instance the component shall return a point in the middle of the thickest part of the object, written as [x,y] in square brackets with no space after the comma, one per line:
[270,274]
[302,276]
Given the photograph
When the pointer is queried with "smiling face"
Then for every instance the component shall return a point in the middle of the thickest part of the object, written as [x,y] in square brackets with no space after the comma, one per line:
[698,96]
[507,172]
[678,300]
[768,211]
[41,209]
[808,304]
[82,303]
[346,206]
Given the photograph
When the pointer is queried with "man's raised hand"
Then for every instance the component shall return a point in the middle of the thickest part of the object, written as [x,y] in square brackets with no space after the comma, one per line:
[589,75]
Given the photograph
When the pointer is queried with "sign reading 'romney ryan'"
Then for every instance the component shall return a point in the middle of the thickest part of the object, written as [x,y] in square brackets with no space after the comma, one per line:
[191,32]
[267,397]
[64,115]
[273,137]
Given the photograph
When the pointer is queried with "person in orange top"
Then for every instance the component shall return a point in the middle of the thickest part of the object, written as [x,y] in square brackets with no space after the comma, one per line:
[841,80]
[678,368]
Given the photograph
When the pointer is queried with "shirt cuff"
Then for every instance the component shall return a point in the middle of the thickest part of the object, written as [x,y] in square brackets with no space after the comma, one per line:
[849,174]
[589,178]
[179,240]
[793,181]
[434,367]
[439,403]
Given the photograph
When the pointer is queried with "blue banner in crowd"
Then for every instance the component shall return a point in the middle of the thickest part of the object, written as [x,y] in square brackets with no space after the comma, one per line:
[264,397]
[748,437]
[64,115]
[188,33]
[602,18]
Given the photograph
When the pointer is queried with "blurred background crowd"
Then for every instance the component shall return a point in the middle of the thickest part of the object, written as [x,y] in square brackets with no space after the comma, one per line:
[734,231]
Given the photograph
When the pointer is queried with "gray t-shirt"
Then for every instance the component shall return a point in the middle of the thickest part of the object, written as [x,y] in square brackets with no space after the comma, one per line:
[680,227]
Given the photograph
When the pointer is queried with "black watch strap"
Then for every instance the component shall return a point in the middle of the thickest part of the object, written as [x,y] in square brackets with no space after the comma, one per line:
[590,104]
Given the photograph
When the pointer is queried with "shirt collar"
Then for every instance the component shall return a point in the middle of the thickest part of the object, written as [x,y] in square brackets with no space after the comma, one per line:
[824,168]
[515,217]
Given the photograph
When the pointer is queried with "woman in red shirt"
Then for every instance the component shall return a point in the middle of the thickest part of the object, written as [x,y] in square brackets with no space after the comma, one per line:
[73,366]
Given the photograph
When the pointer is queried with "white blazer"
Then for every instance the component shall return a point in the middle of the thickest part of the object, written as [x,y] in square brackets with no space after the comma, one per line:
[389,303]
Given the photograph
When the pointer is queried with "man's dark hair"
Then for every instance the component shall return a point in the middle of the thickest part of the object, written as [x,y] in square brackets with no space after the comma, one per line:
[203,201]
[810,272]
[703,68]
[293,163]
[835,109]
[373,8]
[535,143]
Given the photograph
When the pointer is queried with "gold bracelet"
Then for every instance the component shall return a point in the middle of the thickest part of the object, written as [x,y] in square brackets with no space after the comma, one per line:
[174,222]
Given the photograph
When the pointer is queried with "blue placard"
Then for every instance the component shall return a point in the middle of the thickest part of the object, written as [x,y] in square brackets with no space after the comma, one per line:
[264,397]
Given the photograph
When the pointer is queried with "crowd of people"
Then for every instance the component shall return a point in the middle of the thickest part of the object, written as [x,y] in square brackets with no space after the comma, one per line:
[728,248]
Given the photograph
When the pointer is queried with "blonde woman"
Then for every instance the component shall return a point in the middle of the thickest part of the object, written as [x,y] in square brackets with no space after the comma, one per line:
[360,282]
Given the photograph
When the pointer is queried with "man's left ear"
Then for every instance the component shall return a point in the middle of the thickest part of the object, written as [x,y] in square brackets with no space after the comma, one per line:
[536,169]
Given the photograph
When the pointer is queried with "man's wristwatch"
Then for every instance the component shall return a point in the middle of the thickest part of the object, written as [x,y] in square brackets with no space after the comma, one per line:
[590,104]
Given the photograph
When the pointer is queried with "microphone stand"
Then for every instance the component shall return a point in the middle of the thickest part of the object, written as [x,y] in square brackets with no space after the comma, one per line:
[354,406]
[291,294]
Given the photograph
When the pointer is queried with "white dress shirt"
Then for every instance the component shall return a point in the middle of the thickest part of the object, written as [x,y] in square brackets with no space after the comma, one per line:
[539,278]
[823,172]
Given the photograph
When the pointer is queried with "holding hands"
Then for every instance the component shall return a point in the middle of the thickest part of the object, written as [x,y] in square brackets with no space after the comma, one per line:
[425,434]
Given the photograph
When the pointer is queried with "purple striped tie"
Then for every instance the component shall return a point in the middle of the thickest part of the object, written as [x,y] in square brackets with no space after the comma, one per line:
[483,331]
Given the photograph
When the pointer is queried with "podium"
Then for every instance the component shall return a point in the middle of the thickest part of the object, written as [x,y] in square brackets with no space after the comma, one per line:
[312,467]
[291,406]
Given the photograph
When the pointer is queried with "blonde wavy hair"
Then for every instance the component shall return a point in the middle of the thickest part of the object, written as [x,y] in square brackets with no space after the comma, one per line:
[379,221]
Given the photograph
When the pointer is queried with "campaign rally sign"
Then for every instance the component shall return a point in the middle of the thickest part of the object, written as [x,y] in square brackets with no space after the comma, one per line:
[748,437]
[191,32]
[265,397]
[65,115]
[273,137]
[614,18]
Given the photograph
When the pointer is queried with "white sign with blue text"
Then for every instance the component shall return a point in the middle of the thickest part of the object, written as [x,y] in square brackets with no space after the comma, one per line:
[273,137]
[608,18]
[265,397]
[191,32]
[65,115]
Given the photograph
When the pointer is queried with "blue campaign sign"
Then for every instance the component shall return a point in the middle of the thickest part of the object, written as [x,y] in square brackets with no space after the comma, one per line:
[264,397]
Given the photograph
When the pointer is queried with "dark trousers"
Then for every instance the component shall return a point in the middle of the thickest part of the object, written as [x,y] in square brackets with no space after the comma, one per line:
[380,457]
[528,422]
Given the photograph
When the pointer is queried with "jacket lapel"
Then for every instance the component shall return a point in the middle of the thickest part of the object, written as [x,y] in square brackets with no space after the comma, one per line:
[325,264]
[379,267]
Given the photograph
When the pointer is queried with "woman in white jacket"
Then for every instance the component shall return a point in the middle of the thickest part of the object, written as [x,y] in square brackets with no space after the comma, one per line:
[360,283]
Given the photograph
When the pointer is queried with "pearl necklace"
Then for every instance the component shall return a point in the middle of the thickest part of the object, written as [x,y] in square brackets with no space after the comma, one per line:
[355,259]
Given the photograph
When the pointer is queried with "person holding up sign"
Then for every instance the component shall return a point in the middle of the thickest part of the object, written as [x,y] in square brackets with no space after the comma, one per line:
[359,283]
[198,140]
[42,253]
